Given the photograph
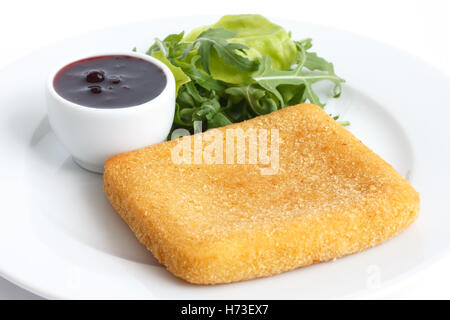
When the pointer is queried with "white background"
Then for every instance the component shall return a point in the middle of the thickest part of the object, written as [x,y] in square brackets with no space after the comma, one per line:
[418,27]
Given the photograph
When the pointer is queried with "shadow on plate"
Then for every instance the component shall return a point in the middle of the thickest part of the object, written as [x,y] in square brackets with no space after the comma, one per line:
[72,199]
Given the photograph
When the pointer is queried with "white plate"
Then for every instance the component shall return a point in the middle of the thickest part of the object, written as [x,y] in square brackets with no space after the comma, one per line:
[60,238]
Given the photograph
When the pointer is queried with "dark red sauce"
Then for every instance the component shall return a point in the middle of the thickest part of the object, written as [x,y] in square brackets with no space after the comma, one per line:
[110,81]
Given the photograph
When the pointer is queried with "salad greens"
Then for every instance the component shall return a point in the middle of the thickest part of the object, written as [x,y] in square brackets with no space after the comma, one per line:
[239,68]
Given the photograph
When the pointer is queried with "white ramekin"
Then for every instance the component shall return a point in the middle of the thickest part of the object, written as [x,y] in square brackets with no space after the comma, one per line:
[92,135]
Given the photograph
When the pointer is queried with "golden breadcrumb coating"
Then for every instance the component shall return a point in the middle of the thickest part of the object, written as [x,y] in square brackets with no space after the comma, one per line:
[218,223]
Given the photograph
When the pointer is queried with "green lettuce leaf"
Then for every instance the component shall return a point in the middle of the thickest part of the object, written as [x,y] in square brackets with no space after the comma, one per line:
[262,37]
[179,75]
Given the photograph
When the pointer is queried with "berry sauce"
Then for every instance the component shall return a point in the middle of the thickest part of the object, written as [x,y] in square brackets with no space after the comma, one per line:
[110,81]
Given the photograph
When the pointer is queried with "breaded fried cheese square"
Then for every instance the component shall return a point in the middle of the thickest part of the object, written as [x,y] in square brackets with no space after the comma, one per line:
[303,190]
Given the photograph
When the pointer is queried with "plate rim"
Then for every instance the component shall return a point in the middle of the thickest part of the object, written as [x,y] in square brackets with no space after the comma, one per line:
[389,284]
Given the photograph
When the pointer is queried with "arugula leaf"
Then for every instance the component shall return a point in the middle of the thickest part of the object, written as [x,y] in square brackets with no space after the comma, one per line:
[270,79]
[192,90]
[177,120]
[167,46]
[256,98]
[208,111]
[231,53]
[218,120]
[237,109]
[313,62]
[292,94]
[202,78]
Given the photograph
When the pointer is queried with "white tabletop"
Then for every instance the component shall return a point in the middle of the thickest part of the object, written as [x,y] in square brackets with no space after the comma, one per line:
[418,27]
